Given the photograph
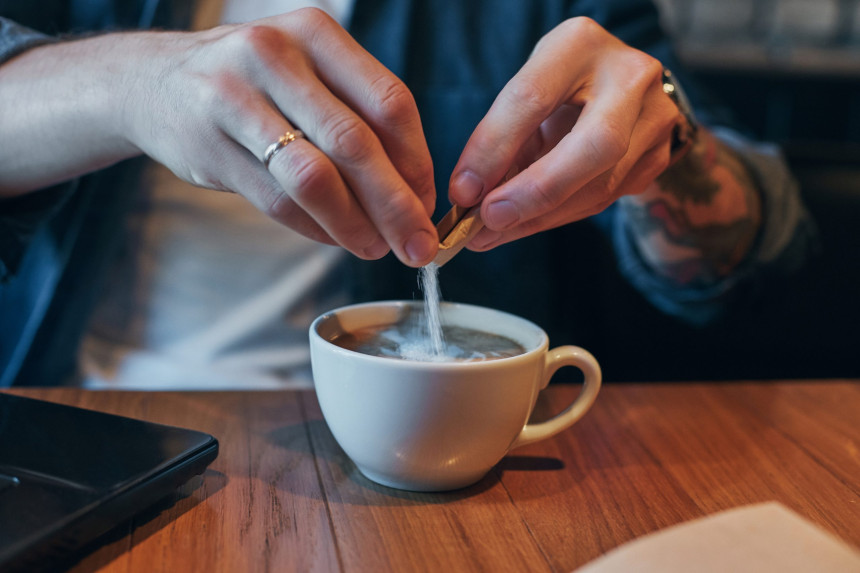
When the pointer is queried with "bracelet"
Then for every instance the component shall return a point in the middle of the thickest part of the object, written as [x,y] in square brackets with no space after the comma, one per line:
[684,133]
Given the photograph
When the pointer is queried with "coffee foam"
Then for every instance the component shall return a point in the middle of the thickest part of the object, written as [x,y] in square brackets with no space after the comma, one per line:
[404,341]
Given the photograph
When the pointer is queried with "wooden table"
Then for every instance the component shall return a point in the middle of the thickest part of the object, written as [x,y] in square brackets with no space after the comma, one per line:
[283,497]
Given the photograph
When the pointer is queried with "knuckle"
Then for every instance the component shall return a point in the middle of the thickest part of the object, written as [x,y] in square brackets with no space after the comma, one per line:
[221,94]
[206,172]
[644,70]
[610,188]
[311,175]
[581,33]
[281,207]
[259,38]
[312,19]
[360,237]
[532,97]
[608,144]
[206,180]
[542,197]
[583,28]
[652,68]
[313,27]
[424,171]
[394,102]
[420,176]
[260,45]
[398,207]
[579,25]
[352,140]
[211,94]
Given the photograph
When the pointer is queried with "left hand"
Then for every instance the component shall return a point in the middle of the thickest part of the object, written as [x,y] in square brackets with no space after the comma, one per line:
[584,122]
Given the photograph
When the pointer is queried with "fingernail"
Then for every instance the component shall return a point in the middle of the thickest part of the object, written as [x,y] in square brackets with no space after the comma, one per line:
[420,247]
[466,188]
[378,249]
[501,215]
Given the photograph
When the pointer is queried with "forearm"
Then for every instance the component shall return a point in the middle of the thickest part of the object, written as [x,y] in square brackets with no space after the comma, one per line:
[64,108]
[700,219]
[207,105]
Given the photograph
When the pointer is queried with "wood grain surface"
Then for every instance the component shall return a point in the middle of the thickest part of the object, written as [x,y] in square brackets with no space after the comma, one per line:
[282,496]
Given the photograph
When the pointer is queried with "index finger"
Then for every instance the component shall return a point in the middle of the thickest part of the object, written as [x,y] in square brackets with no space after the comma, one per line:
[388,107]
[365,120]
[383,179]
[567,66]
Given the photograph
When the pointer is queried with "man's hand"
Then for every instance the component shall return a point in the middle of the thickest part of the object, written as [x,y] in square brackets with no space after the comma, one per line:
[208,104]
[584,122]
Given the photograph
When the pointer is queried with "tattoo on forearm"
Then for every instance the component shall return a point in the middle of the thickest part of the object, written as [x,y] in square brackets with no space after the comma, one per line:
[690,179]
[720,246]
[704,218]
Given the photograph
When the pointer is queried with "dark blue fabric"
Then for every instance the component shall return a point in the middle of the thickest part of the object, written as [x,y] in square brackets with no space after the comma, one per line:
[55,244]
[455,56]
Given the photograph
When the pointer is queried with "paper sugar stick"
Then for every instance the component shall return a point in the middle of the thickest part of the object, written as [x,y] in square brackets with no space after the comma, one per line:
[456,229]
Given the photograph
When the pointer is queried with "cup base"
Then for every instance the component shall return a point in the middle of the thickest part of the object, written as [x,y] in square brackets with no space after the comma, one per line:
[421,485]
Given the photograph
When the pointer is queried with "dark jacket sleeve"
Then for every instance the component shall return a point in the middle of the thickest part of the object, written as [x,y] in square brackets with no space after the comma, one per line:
[787,236]
[21,217]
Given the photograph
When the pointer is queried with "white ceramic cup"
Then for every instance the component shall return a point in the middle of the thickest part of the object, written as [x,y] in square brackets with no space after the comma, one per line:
[434,426]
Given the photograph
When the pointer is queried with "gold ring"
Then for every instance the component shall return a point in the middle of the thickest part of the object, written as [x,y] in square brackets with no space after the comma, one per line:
[283,141]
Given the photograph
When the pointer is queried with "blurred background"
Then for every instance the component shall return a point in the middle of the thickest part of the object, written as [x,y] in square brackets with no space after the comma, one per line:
[790,69]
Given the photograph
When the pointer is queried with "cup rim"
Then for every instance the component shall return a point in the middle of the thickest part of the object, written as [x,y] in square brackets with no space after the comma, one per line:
[542,346]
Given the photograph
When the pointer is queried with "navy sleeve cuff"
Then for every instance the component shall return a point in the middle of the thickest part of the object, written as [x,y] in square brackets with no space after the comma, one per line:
[15,39]
[786,239]
[20,217]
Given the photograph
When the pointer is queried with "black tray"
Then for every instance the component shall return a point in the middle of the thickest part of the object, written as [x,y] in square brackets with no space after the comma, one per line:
[68,475]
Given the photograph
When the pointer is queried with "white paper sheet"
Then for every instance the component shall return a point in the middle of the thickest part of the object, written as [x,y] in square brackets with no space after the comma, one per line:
[760,538]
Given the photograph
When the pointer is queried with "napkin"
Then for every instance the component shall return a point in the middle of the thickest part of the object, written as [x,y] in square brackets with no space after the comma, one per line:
[758,538]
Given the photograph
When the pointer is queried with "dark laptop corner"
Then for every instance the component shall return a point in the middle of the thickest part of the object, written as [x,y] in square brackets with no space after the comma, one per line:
[69,475]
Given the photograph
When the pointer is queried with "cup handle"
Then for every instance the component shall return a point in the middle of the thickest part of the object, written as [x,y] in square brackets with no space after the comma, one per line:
[555,359]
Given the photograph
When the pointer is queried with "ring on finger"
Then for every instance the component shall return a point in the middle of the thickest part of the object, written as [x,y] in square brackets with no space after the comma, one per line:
[282,142]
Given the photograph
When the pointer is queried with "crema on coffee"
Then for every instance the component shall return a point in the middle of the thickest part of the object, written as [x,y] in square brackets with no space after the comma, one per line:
[404,342]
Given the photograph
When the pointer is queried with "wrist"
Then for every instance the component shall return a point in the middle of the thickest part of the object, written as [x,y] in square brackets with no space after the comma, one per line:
[61,112]
[138,86]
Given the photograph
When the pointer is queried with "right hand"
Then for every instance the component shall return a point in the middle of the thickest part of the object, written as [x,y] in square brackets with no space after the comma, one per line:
[208,104]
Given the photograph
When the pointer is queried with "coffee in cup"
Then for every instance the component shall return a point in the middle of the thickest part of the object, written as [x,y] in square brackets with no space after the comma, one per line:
[437,425]
[406,340]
